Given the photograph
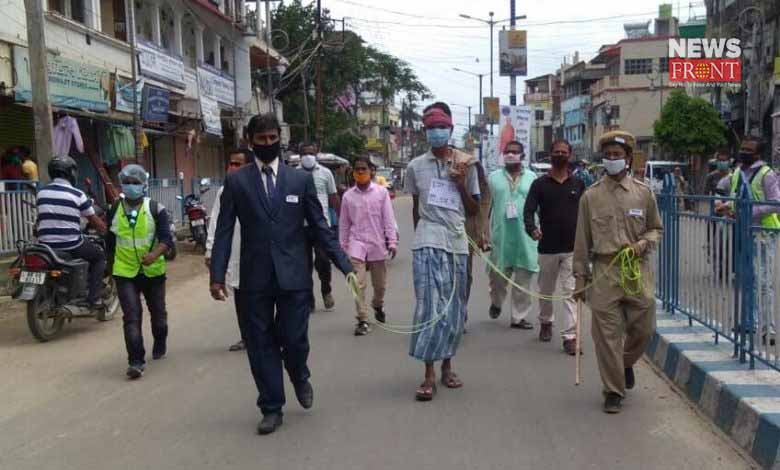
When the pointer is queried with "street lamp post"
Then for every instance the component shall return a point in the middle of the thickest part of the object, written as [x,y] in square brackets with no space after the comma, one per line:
[492,23]
[480,76]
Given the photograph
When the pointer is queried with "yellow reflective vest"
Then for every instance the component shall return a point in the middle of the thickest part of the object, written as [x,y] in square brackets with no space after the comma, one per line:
[135,237]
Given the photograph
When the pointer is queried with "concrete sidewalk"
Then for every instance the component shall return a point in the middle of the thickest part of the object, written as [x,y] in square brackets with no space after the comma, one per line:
[744,403]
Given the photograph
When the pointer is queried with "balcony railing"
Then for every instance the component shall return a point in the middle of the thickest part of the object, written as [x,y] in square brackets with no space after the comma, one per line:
[605,83]
[536,97]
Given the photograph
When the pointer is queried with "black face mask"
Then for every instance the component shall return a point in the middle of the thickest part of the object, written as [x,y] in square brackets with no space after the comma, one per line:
[560,161]
[747,158]
[267,153]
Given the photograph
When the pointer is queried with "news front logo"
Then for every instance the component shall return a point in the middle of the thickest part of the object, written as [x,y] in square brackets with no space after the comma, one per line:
[715,61]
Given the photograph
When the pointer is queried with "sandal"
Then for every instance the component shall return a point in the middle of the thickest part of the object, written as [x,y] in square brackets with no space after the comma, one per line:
[451,380]
[425,392]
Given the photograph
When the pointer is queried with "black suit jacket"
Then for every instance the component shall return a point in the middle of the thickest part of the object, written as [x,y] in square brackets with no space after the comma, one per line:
[273,240]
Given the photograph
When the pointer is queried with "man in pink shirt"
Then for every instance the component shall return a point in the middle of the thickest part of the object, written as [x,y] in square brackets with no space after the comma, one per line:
[367,234]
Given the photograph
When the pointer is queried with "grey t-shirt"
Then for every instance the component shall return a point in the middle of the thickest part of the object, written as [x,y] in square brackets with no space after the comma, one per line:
[439,227]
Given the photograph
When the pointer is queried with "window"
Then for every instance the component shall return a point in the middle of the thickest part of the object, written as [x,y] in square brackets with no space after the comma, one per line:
[615,114]
[73,9]
[663,64]
[539,115]
[638,66]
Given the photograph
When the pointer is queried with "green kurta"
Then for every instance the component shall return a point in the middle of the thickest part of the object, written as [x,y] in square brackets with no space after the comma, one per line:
[512,247]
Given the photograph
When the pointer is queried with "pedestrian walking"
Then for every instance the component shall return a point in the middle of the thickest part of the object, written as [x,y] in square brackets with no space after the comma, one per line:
[554,198]
[444,189]
[272,201]
[617,212]
[236,159]
[512,251]
[764,186]
[368,235]
[139,237]
[327,193]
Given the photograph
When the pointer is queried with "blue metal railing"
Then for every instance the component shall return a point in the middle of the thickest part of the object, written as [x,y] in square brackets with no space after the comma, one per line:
[721,270]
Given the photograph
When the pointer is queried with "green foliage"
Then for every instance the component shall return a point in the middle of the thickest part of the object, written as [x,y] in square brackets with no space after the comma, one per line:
[349,66]
[689,126]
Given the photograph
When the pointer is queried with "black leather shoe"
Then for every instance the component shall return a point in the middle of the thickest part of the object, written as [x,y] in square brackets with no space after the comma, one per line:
[630,379]
[159,350]
[612,403]
[305,394]
[379,314]
[269,423]
[494,312]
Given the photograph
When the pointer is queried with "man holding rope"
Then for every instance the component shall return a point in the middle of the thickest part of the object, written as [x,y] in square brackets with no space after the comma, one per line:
[444,188]
[616,213]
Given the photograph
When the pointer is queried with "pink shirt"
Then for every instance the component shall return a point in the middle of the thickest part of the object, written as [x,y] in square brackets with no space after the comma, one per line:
[367,225]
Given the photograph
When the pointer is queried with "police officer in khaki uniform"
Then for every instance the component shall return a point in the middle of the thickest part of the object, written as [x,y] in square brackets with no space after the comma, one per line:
[617,212]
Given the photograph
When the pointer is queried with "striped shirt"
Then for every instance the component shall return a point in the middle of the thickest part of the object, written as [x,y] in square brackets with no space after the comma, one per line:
[60,208]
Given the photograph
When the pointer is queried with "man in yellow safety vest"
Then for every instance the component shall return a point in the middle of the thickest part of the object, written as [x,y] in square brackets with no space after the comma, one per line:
[139,237]
[764,186]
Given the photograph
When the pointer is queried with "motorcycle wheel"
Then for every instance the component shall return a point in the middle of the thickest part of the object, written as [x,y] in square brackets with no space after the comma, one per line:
[44,321]
[110,300]
[200,239]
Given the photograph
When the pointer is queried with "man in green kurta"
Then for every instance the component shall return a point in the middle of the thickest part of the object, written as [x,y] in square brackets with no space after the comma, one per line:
[513,251]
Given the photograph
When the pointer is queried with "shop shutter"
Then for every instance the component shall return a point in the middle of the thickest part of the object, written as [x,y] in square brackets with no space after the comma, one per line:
[16,127]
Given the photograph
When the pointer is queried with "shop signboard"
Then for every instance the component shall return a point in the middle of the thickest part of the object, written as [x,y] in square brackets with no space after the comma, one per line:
[123,92]
[490,105]
[209,109]
[216,85]
[158,64]
[71,84]
[156,103]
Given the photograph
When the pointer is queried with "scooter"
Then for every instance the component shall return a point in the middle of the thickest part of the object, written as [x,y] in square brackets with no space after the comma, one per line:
[197,215]
[54,285]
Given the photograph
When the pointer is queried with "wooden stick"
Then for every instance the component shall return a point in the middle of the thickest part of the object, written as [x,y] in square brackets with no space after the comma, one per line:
[578,352]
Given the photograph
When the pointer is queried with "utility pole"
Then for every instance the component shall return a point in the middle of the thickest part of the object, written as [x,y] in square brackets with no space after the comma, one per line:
[305,107]
[271,104]
[130,8]
[318,117]
[39,79]
[512,78]
[492,24]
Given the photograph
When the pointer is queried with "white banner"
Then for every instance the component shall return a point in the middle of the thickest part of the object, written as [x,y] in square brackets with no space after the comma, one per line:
[209,109]
[156,63]
[490,155]
[214,85]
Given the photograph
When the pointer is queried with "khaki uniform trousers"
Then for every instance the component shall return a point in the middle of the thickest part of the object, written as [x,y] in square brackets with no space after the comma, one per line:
[623,324]
[378,270]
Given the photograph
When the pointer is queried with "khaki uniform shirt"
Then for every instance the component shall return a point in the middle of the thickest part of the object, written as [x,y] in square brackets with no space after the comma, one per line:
[612,215]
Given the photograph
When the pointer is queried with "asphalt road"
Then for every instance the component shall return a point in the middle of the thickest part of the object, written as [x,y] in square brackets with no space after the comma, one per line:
[67,405]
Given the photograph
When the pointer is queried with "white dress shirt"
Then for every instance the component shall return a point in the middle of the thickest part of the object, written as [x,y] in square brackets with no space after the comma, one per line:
[232,279]
[274,169]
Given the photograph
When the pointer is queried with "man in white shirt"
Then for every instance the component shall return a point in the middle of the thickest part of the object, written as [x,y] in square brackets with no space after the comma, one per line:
[236,159]
[327,194]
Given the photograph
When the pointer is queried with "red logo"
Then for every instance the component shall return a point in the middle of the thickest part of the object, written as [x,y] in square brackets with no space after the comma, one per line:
[705,70]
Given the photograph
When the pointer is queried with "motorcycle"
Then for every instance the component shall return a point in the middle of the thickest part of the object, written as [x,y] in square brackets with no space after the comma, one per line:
[54,285]
[197,215]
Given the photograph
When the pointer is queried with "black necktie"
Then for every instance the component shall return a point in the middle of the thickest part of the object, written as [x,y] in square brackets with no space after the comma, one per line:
[270,188]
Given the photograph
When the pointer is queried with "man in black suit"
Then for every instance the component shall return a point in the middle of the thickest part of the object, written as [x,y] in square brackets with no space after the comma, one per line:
[271,202]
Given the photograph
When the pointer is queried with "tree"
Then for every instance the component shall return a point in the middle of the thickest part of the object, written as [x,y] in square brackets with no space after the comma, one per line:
[349,68]
[689,127]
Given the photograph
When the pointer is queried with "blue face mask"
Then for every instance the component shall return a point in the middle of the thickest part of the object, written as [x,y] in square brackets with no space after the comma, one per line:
[438,137]
[133,191]
[723,165]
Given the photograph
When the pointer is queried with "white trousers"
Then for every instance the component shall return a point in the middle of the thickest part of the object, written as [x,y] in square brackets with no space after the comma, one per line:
[554,269]
[520,305]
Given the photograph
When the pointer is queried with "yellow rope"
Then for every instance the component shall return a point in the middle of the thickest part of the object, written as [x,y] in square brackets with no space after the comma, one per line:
[630,271]
[354,287]
[630,281]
